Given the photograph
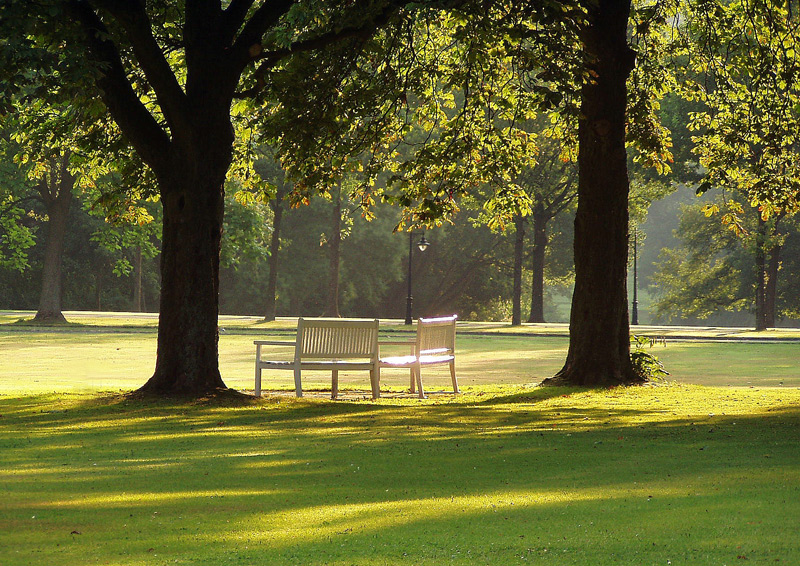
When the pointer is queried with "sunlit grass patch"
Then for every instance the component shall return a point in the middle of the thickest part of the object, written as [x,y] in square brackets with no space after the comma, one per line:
[498,475]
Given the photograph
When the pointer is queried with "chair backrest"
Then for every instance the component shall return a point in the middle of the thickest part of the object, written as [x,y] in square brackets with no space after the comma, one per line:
[436,335]
[337,338]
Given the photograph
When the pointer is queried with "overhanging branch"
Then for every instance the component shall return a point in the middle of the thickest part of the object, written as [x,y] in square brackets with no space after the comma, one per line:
[141,128]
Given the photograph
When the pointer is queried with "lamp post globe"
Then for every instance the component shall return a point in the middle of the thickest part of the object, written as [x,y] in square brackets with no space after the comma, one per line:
[423,245]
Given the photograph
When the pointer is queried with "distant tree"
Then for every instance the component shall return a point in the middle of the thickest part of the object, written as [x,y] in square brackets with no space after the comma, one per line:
[551,184]
[734,267]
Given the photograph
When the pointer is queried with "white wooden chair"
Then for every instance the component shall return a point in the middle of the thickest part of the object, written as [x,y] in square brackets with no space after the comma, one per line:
[435,345]
[327,344]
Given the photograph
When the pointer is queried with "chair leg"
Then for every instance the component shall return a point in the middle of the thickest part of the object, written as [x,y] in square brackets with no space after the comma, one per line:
[334,383]
[418,371]
[453,376]
[258,371]
[298,387]
[375,382]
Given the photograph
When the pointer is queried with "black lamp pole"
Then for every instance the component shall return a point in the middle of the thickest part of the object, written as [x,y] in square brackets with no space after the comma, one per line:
[635,310]
[422,245]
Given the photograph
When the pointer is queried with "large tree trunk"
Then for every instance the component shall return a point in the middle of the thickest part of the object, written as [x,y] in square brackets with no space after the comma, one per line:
[57,197]
[332,304]
[519,244]
[192,196]
[537,265]
[270,311]
[599,348]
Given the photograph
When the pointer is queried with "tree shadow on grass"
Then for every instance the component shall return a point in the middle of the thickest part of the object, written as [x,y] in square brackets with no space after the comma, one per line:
[302,482]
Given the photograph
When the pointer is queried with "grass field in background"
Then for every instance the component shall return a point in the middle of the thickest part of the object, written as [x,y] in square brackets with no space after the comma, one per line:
[107,358]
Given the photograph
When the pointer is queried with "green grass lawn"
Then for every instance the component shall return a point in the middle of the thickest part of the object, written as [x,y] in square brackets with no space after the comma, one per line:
[673,474]
[507,473]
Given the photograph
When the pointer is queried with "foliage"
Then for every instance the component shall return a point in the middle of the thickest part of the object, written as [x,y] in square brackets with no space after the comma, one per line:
[706,274]
[712,269]
[743,59]
[16,229]
[646,365]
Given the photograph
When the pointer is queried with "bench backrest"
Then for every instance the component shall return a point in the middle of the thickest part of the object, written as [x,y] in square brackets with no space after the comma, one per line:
[436,335]
[326,338]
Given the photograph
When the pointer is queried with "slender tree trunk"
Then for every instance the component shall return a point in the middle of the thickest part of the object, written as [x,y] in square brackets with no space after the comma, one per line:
[57,197]
[599,349]
[540,220]
[761,275]
[137,280]
[519,244]
[274,247]
[771,288]
[98,291]
[332,306]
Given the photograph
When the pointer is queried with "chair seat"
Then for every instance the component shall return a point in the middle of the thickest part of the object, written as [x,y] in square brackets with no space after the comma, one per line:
[316,364]
[408,361]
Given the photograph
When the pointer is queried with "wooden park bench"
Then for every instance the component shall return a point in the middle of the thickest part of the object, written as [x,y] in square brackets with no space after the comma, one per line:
[333,344]
[435,344]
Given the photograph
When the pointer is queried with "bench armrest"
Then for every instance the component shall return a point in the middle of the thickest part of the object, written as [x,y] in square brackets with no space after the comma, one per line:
[274,342]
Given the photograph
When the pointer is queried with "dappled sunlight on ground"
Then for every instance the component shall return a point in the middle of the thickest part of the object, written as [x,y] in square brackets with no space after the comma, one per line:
[497,475]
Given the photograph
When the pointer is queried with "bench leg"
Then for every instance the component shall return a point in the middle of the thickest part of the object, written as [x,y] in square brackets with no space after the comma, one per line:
[413,379]
[417,369]
[334,383]
[375,382]
[298,387]
[453,376]
[258,371]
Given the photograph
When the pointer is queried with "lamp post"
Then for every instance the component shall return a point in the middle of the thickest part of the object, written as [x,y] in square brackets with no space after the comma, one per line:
[422,245]
[635,309]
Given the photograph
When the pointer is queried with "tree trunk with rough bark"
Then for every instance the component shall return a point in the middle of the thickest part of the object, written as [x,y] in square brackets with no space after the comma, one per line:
[540,220]
[599,349]
[192,195]
[519,243]
[56,193]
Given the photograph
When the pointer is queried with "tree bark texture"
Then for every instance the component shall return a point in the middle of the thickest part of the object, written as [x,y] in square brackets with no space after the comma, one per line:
[540,220]
[599,349]
[519,246]
[56,193]
[188,336]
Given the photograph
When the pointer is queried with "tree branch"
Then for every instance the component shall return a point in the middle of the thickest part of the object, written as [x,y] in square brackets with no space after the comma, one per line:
[248,44]
[134,20]
[234,16]
[140,127]
[271,58]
